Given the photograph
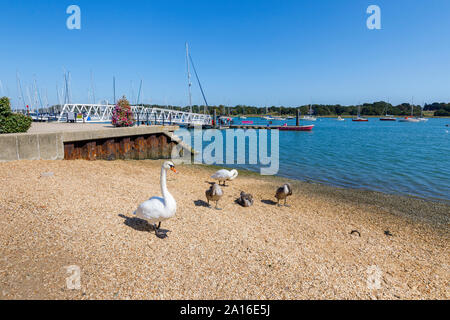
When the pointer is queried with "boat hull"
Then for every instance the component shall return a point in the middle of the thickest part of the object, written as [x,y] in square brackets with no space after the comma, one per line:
[296,128]
[409,120]
[388,119]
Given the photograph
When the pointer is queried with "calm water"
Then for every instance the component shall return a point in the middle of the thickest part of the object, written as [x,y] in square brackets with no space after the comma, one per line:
[392,157]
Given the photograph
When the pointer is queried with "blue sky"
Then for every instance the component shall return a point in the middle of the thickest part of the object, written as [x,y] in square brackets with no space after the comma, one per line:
[255,52]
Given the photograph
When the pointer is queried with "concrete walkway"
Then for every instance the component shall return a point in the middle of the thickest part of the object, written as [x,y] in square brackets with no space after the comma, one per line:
[46,127]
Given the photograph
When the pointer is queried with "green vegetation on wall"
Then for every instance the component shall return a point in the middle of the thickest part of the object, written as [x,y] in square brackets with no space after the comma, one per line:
[12,122]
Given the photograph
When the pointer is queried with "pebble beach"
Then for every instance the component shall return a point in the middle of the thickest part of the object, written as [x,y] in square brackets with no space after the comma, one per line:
[56,214]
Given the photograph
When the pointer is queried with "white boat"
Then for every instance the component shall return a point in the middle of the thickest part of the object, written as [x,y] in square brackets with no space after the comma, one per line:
[268,118]
[242,117]
[310,116]
[410,118]
[340,119]
[387,116]
[422,118]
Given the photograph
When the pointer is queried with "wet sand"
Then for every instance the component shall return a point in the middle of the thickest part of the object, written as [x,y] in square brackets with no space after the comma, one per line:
[83,215]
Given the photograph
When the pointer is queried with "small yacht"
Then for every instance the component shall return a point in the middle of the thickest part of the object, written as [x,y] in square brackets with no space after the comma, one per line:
[388,118]
[422,118]
[410,118]
[358,117]
[340,119]
[310,116]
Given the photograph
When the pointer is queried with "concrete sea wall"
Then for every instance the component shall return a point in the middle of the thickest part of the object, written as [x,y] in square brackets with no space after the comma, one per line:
[143,142]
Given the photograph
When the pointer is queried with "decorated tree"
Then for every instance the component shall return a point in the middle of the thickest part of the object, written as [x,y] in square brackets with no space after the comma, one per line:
[122,114]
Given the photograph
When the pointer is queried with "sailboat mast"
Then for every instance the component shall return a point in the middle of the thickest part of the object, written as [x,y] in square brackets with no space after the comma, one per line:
[114,89]
[19,88]
[139,93]
[92,88]
[189,77]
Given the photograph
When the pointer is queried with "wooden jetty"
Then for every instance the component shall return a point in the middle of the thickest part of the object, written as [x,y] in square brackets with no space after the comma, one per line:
[269,127]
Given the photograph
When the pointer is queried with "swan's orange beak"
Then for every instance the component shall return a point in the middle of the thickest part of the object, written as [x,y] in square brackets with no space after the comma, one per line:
[173,169]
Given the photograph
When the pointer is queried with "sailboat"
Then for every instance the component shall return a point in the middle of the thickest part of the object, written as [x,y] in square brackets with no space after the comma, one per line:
[310,116]
[422,118]
[388,117]
[358,117]
[410,118]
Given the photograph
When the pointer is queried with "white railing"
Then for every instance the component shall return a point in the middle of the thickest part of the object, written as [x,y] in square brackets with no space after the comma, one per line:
[103,113]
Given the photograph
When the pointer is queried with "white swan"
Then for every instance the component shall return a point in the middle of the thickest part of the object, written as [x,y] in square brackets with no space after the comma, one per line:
[158,209]
[225,175]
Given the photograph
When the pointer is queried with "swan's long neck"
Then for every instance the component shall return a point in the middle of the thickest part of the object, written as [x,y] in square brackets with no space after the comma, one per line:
[164,190]
[165,193]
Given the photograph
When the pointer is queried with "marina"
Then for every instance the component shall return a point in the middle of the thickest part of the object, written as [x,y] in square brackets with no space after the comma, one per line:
[246,152]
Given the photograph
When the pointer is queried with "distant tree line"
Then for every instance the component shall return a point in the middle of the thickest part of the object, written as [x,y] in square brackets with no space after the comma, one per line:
[368,109]
[440,109]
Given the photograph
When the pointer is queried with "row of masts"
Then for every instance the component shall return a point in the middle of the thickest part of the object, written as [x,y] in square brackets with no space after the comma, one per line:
[35,98]
[32,97]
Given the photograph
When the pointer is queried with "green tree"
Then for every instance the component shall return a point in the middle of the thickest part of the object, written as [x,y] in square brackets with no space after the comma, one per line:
[12,122]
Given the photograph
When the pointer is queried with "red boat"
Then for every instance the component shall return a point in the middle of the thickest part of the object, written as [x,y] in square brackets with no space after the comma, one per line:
[360,120]
[296,128]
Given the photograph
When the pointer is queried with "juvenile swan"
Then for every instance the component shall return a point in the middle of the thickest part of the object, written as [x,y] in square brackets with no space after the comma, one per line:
[214,193]
[159,209]
[282,193]
[225,175]
[246,199]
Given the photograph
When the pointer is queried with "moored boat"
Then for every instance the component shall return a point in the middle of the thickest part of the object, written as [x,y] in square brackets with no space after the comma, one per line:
[310,116]
[358,117]
[422,118]
[409,119]
[296,128]
[388,118]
